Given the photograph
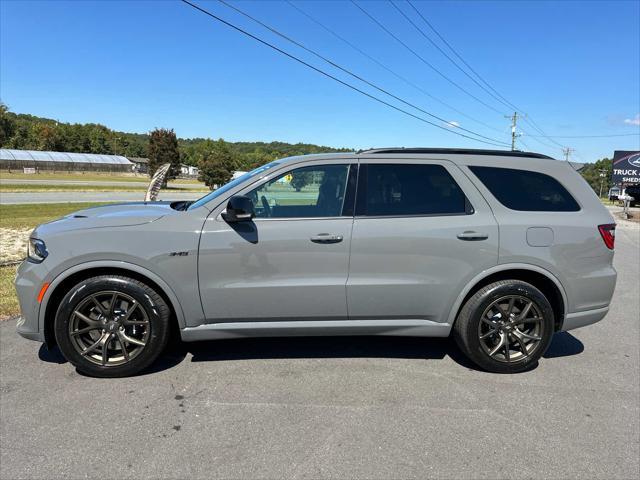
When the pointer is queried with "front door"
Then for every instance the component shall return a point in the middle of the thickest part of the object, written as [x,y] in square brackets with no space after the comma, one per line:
[421,232]
[291,261]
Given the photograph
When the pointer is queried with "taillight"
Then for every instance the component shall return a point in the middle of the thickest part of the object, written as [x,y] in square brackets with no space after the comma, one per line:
[608,233]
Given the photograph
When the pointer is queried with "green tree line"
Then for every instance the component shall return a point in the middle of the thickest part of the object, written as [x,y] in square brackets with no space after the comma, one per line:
[28,132]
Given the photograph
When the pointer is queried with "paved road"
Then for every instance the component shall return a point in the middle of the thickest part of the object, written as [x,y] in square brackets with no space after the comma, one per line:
[334,407]
[97,183]
[75,197]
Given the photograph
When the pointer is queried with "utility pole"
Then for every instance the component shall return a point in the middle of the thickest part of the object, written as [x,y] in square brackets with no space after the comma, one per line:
[603,174]
[567,152]
[514,121]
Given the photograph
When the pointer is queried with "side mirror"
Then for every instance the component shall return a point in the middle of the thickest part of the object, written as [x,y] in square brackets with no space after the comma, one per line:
[239,209]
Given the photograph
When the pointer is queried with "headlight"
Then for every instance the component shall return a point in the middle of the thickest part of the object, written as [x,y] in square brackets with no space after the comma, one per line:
[36,250]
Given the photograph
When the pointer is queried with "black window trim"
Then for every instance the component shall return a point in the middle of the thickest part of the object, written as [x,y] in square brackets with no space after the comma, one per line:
[361,194]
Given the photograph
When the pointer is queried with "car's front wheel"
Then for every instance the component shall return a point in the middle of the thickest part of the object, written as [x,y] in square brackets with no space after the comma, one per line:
[112,326]
[505,327]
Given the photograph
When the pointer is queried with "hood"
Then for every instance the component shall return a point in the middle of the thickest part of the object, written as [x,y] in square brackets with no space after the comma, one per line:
[108,216]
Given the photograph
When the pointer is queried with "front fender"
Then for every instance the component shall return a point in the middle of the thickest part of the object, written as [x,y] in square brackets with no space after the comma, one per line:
[121,265]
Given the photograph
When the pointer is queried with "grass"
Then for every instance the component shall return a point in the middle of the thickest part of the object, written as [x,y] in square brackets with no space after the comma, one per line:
[28,216]
[87,177]
[8,300]
[43,187]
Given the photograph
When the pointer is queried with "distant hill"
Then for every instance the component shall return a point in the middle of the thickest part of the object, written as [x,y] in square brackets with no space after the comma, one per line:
[28,132]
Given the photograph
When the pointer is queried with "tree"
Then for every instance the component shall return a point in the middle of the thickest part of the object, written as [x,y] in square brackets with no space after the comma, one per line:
[7,125]
[217,163]
[592,174]
[163,148]
[301,179]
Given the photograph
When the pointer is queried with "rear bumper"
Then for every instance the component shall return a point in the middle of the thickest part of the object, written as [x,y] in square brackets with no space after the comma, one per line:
[581,319]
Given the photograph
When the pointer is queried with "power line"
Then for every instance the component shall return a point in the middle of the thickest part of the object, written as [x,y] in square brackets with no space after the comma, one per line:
[349,72]
[395,74]
[421,31]
[459,56]
[589,136]
[528,118]
[328,75]
[417,55]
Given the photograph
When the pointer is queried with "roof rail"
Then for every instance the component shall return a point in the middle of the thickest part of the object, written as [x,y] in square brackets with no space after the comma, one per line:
[455,151]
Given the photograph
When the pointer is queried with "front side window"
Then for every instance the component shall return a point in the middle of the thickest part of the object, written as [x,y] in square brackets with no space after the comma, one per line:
[409,189]
[525,190]
[315,191]
[232,184]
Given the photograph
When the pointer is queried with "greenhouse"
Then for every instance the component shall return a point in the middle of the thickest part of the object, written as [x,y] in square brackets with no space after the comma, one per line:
[34,160]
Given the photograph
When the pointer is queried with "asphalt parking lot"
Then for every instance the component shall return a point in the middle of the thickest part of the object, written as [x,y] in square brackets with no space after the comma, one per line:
[335,408]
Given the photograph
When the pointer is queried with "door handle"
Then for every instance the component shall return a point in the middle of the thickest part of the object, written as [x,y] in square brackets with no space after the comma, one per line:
[326,238]
[471,236]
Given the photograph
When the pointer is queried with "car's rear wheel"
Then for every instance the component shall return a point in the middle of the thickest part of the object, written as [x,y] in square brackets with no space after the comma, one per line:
[112,326]
[505,327]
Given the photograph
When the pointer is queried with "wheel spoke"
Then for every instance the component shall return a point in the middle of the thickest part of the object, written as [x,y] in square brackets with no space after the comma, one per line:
[521,343]
[123,346]
[490,322]
[507,347]
[132,340]
[524,312]
[112,303]
[529,337]
[92,347]
[87,320]
[105,348]
[497,347]
[512,301]
[130,309]
[98,304]
[489,333]
[85,330]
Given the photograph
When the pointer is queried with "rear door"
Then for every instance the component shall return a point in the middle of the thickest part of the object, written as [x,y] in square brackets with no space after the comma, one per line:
[421,232]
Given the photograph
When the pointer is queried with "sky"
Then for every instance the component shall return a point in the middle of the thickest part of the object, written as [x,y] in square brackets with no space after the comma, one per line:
[572,66]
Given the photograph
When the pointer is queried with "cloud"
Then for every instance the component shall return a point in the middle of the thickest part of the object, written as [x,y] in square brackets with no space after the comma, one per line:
[453,124]
[633,121]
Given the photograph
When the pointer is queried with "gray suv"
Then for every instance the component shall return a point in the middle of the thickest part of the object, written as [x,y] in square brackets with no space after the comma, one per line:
[499,249]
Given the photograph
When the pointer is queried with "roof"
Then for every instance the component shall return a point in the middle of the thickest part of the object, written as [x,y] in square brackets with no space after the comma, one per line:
[69,157]
[138,159]
[454,151]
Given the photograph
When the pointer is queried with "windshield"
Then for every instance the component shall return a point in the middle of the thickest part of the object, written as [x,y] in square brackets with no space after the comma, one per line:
[233,183]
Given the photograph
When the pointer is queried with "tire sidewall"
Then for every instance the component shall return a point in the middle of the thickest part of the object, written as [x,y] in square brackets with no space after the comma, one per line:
[157,324]
[473,340]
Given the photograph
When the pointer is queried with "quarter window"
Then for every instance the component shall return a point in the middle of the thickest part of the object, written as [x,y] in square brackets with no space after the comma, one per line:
[409,189]
[316,191]
[525,190]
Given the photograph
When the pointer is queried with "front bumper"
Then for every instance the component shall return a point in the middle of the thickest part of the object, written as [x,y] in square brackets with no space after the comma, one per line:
[28,282]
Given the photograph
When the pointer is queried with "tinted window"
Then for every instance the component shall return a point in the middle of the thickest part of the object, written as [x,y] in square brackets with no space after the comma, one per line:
[525,190]
[316,191]
[410,189]
[232,184]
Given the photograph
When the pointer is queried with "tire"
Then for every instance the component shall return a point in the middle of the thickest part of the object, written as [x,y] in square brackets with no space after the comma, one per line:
[124,314]
[493,333]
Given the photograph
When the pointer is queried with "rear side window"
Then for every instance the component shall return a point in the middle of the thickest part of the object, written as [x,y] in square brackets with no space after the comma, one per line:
[525,190]
[409,189]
